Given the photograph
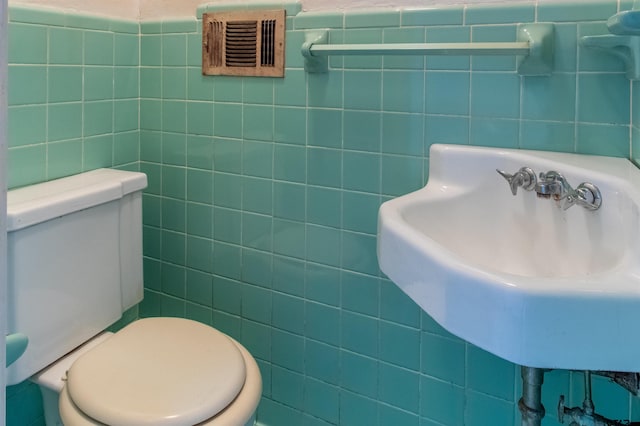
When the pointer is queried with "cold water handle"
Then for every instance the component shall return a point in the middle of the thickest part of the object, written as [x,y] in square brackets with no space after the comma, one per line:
[525,178]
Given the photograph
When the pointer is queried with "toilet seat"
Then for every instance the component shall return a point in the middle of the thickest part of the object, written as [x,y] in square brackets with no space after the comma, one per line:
[156,371]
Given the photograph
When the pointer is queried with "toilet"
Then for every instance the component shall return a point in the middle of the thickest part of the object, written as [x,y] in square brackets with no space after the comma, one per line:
[74,266]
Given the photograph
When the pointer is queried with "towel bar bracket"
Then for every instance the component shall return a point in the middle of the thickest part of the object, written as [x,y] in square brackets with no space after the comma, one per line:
[534,48]
[540,37]
[315,64]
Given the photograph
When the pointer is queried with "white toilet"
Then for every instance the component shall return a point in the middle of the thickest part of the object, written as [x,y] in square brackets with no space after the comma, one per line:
[74,266]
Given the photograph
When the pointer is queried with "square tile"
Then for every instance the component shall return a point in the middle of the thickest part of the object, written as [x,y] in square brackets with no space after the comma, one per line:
[447,93]
[362,130]
[199,254]
[441,401]
[65,46]
[97,152]
[319,160]
[399,387]
[443,358]
[289,201]
[360,334]
[98,83]
[65,121]
[321,400]
[360,212]
[396,306]
[257,195]
[288,313]
[324,127]
[323,284]
[360,293]
[323,245]
[33,36]
[27,85]
[361,171]
[402,91]
[603,98]
[362,89]
[359,374]
[98,48]
[495,95]
[402,134]
[322,361]
[257,233]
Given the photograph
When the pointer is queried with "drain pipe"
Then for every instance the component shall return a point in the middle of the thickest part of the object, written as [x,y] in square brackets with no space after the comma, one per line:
[530,405]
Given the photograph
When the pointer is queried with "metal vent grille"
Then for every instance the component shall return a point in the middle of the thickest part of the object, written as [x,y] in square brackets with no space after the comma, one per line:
[241,43]
[267,53]
[214,39]
[249,43]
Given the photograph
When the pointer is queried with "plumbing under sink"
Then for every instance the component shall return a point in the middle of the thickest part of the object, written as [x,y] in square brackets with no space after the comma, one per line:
[522,276]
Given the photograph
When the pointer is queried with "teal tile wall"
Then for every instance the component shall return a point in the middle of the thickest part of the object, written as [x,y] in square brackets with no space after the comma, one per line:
[269,188]
[260,215]
[73,94]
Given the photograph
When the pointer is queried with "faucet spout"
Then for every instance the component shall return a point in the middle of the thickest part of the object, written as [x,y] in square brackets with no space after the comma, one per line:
[553,184]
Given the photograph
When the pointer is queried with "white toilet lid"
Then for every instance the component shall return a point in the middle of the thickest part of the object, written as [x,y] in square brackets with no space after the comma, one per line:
[158,371]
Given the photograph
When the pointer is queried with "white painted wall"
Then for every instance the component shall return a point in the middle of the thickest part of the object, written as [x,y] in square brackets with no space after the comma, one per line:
[156,9]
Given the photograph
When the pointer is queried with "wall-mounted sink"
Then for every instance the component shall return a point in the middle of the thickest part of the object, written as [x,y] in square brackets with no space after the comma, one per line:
[520,276]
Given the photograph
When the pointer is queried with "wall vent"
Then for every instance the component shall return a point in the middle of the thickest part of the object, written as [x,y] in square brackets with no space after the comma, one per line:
[249,43]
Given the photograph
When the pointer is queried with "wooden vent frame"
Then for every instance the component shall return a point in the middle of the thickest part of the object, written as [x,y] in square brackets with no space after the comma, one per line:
[245,43]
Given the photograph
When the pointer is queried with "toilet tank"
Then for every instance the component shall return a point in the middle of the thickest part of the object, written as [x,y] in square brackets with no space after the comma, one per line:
[74,261]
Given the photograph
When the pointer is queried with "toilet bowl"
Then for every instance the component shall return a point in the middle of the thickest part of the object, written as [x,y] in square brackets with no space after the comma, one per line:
[155,371]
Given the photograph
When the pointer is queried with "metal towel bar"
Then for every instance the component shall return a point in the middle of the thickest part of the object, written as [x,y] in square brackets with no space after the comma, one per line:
[517,48]
[534,45]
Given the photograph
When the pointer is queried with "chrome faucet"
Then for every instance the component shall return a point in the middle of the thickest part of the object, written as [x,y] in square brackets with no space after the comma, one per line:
[553,184]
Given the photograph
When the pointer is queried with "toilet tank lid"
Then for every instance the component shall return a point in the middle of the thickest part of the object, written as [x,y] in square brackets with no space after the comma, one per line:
[38,203]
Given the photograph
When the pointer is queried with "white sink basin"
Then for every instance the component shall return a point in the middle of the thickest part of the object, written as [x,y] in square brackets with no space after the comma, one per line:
[517,275]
